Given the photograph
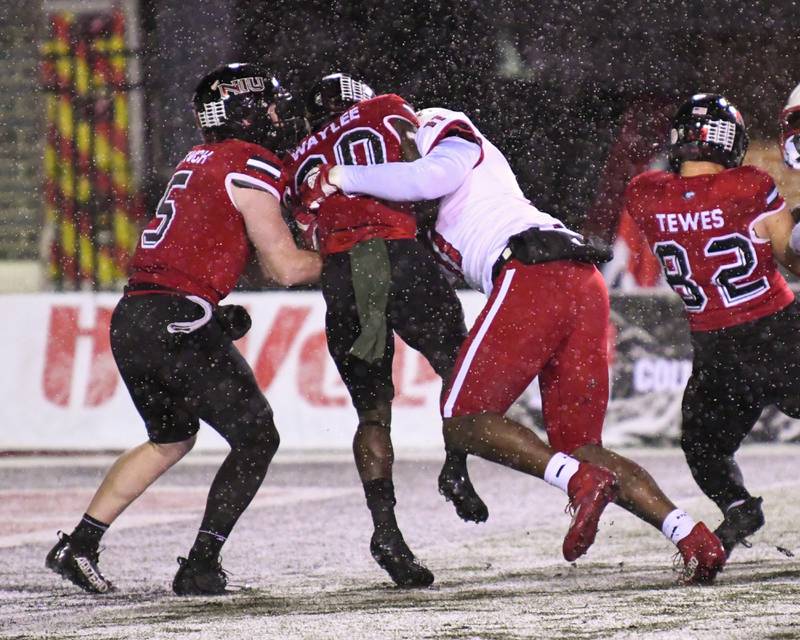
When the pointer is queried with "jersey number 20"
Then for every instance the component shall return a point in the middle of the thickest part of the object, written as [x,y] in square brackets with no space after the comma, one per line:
[363,141]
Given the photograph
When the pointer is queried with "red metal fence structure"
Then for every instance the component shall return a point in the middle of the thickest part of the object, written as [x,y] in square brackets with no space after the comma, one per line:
[89,177]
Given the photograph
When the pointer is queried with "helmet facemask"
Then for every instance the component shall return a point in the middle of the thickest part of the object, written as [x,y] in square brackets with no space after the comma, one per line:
[790,130]
[707,128]
[333,95]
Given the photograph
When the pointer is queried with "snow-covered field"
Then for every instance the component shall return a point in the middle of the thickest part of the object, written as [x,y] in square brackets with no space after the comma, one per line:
[302,551]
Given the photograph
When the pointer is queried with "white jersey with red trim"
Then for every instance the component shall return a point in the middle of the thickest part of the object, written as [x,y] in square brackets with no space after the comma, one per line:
[476,220]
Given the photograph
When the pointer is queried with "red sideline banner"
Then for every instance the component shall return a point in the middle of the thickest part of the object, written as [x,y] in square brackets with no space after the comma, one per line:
[62,391]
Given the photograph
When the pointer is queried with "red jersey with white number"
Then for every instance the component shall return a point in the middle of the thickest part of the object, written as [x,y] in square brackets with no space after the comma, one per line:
[197,242]
[701,230]
[361,135]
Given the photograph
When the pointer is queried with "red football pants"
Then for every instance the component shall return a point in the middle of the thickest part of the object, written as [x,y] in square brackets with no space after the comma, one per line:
[549,320]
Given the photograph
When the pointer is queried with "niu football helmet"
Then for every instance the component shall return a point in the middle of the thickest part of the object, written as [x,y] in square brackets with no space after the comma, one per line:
[707,128]
[332,95]
[790,130]
[234,100]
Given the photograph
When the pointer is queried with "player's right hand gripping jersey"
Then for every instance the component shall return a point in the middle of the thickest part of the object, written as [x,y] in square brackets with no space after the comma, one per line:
[197,242]
[701,230]
[476,220]
[361,135]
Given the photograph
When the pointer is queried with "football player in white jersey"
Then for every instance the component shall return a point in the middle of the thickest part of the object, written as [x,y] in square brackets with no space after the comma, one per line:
[547,315]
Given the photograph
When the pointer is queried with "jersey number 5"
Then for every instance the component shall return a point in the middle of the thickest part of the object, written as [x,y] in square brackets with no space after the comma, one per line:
[730,279]
[165,212]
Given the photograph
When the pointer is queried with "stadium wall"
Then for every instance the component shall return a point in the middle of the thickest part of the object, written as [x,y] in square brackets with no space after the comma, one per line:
[61,390]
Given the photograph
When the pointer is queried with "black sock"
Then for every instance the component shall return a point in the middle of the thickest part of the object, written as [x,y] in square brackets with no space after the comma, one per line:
[455,463]
[381,501]
[206,547]
[86,536]
[232,490]
[720,478]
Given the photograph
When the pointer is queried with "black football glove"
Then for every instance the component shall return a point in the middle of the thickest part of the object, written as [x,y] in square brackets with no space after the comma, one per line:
[234,319]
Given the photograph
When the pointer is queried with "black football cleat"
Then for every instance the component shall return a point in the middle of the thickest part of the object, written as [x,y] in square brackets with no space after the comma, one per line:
[740,523]
[77,565]
[196,578]
[393,555]
[457,488]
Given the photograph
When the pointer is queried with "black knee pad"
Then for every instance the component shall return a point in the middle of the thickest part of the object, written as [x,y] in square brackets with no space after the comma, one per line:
[266,438]
[257,434]
[696,442]
[692,448]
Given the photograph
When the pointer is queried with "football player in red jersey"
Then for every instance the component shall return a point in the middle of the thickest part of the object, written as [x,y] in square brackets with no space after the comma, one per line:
[173,343]
[720,230]
[377,279]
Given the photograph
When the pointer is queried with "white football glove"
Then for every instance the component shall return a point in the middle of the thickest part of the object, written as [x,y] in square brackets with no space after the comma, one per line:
[320,182]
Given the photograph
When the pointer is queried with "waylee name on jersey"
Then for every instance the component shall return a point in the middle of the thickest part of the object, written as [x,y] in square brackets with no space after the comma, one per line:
[677,222]
[332,127]
[365,134]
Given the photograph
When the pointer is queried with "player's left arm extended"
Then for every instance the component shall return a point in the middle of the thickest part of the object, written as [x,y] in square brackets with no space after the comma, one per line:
[436,175]
[784,234]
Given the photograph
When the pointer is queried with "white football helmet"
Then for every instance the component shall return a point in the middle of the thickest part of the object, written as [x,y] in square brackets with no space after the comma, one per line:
[790,130]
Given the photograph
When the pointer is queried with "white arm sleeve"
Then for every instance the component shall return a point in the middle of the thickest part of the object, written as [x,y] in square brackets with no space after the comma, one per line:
[438,174]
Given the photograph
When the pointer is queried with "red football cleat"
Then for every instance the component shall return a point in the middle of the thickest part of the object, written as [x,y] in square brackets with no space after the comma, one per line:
[703,556]
[590,490]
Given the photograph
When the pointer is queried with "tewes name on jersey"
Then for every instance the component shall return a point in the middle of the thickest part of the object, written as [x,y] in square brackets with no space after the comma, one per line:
[692,221]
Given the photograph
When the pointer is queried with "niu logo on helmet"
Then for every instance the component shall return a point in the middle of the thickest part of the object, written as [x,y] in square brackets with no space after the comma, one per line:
[238,86]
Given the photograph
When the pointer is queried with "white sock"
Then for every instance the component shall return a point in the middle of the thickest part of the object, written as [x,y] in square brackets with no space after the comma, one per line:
[560,469]
[677,525]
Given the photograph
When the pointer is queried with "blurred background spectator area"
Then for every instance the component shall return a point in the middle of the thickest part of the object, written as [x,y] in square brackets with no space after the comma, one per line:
[96,98]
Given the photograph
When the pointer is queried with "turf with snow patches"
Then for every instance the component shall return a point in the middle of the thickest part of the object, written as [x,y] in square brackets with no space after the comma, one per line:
[301,555]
